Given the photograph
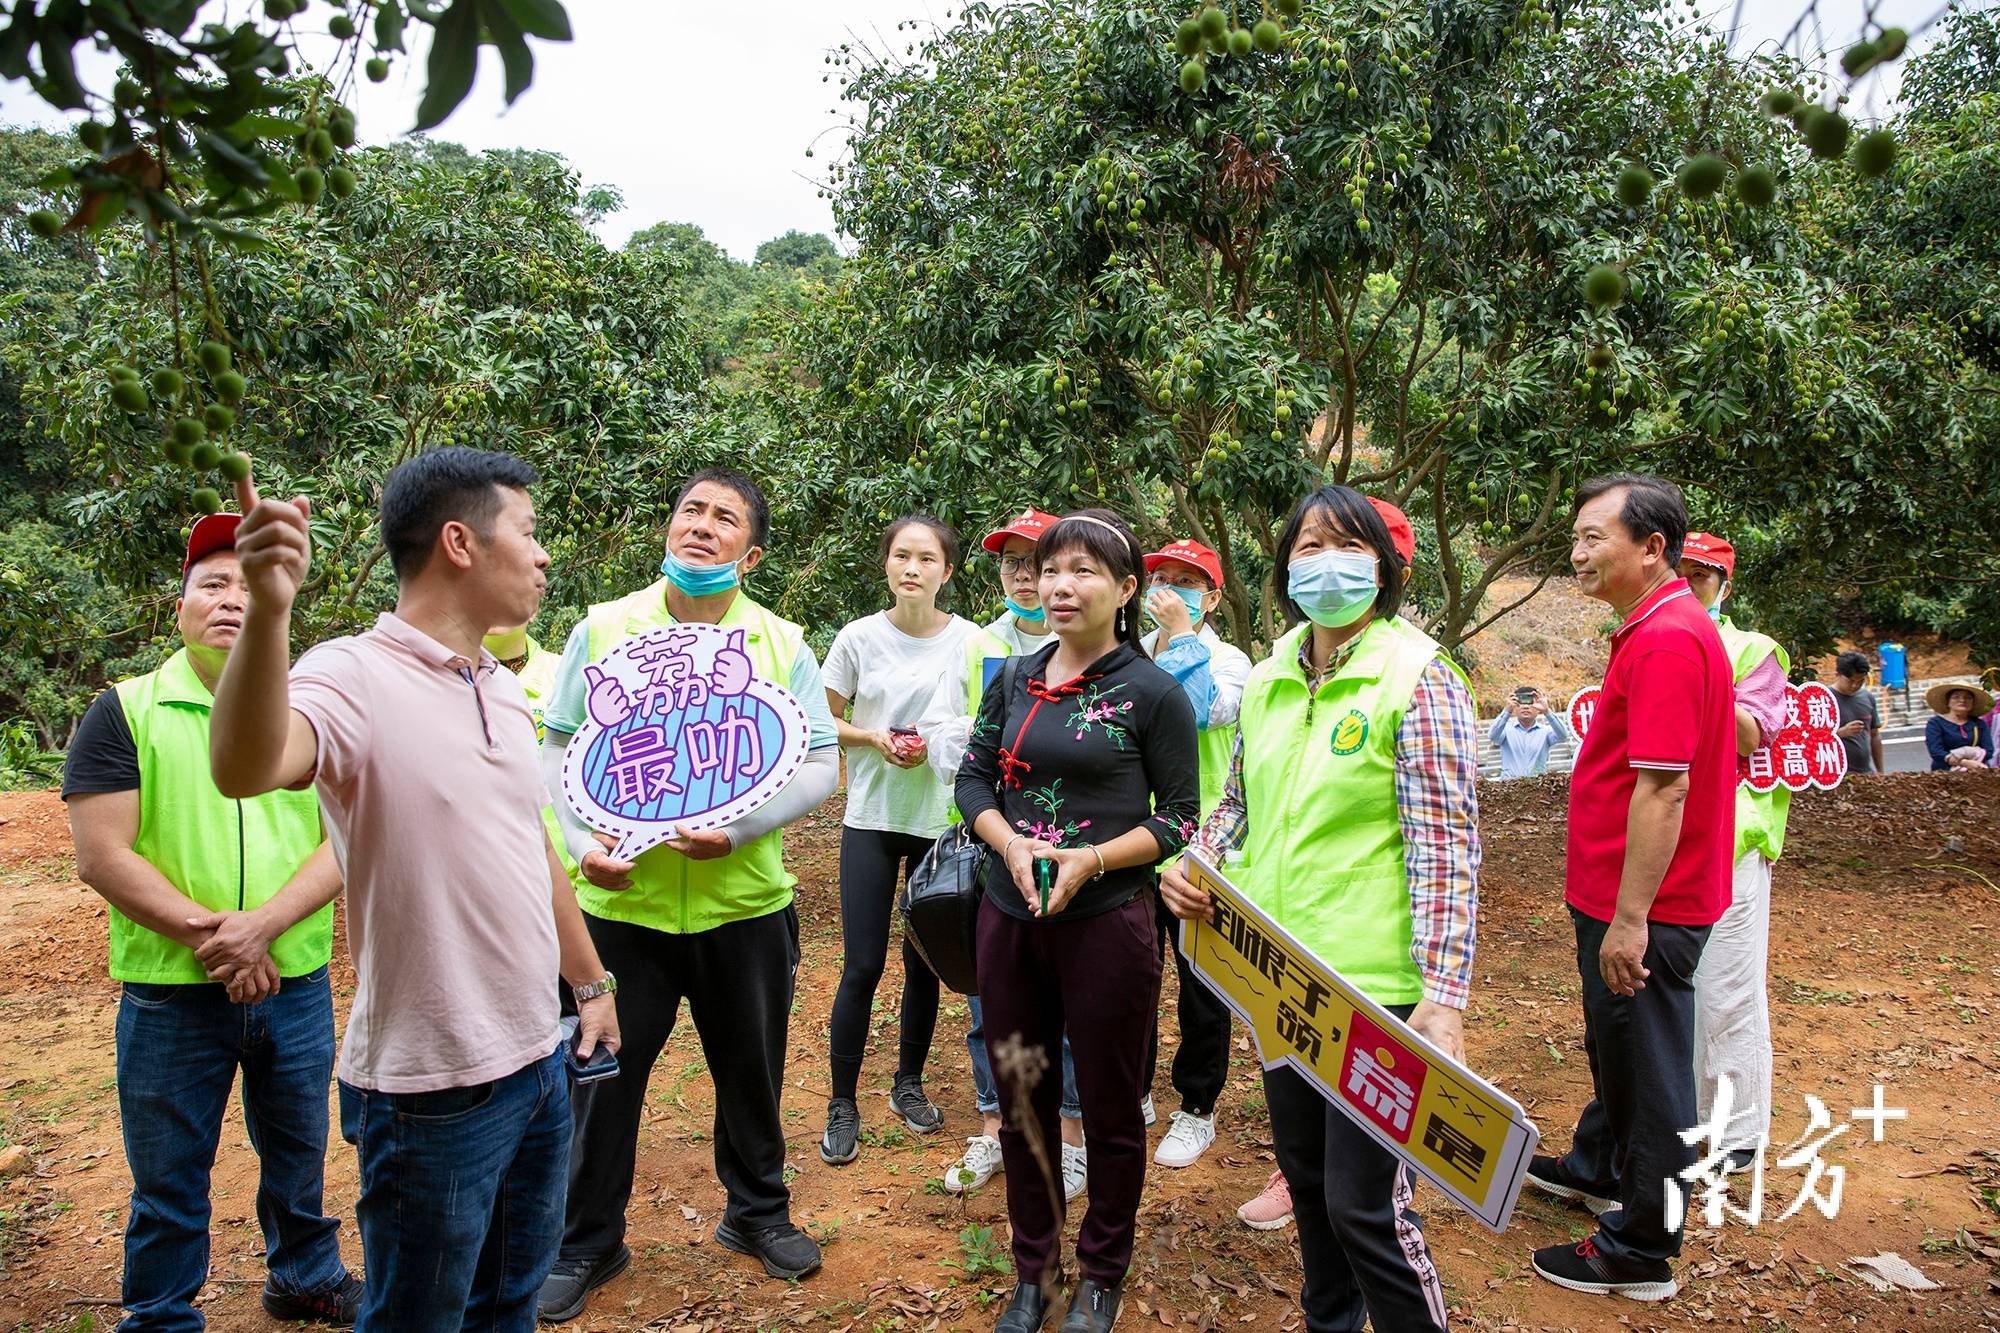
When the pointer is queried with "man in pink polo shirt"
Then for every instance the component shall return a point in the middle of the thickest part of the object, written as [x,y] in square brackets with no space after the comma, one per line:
[453,1088]
[1651,841]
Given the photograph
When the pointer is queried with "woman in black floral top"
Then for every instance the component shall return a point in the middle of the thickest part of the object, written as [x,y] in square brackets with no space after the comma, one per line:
[1090,767]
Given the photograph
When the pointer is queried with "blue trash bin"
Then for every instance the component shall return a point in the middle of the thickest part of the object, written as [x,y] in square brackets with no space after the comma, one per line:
[1895,667]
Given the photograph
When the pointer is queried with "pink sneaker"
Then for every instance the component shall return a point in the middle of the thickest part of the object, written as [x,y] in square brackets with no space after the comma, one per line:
[1271,1209]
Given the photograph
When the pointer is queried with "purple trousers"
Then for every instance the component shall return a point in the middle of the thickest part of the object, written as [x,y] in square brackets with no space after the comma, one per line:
[1098,978]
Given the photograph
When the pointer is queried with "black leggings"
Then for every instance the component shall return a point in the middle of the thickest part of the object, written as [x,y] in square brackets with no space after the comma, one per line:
[870,860]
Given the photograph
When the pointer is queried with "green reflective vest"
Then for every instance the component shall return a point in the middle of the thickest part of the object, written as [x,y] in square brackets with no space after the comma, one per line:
[979,649]
[538,681]
[1760,815]
[670,892]
[226,855]
[1324,850]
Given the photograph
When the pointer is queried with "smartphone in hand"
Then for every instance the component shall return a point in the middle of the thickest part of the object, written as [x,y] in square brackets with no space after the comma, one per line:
[603,1063]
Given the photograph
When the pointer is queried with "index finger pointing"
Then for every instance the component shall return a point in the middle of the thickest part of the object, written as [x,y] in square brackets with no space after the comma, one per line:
[246,494]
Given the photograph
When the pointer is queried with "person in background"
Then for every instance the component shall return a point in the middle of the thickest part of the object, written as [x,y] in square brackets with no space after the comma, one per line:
[1957,737]
[706,918]
[887,667]
[1860,729]
[453,1086]
[1081,778]
[1353,798]
[1732,1013]
[945,729]
[1184,587]
[1525,732]
[221,918]
[1651,829]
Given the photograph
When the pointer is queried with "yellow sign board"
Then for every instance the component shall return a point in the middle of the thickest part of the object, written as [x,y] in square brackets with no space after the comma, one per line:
[1463,1134]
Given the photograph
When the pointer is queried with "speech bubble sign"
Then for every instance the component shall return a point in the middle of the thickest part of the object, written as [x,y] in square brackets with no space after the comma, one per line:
[679,730]
[1805,754]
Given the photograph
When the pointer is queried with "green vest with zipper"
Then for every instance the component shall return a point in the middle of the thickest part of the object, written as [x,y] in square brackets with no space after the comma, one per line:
[226,855]
[669,891]
[978,648]
[1324,850]
[1760,815]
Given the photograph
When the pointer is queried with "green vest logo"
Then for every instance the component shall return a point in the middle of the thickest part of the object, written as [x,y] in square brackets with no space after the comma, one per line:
[1351,732]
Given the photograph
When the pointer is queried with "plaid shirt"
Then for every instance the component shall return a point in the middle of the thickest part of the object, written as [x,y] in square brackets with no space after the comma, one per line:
[1437,771]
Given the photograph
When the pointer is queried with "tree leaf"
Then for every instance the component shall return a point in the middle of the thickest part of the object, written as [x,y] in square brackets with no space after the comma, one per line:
[453,63]
[58,83]
[389,26]
[513,47]
[545,19]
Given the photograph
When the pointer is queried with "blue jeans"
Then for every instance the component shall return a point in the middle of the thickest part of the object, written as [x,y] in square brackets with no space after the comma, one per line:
[461,1199]
[179,1047]
[984,1095]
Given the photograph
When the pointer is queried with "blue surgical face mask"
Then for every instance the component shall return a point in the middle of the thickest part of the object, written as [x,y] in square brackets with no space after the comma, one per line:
[1334,588]
[698,580]
[1034,617]
[1715,612]
[1190,598]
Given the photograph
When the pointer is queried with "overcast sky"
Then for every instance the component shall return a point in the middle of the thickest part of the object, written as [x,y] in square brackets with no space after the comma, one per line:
[702,113]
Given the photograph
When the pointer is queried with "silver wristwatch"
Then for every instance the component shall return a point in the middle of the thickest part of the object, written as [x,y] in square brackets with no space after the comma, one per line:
[604,985]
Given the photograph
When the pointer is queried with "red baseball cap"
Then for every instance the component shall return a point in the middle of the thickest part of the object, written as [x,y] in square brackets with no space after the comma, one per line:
[1191,553]
[1401,535]
[1029,523]
[1705,548]
[211,533]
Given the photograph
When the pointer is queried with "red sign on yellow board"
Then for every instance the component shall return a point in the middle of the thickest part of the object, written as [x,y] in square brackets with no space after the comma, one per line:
[1463,1134]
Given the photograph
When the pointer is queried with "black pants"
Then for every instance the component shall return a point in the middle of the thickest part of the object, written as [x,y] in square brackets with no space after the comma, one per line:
[1201,1065]
[738,980]
[1641,1047]
[870,860]
[1360,1242]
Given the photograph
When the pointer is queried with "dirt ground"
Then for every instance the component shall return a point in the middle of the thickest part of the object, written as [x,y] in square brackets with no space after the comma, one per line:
[1883,971]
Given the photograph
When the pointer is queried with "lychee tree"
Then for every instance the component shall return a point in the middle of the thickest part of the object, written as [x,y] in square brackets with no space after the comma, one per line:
[1405,248]
[454,301]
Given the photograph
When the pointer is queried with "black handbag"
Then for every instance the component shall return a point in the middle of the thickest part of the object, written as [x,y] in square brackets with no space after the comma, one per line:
[940,902]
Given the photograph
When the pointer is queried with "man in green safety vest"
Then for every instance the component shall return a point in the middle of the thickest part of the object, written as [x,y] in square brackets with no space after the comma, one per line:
[706,917]
[1732,1017]
[221,927]
[535,667]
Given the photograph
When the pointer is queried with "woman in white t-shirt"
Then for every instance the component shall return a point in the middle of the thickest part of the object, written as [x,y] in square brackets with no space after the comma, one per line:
[887,667]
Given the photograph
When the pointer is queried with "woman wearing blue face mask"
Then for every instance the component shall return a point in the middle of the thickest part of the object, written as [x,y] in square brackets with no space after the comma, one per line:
[1351,802]
[1183,589]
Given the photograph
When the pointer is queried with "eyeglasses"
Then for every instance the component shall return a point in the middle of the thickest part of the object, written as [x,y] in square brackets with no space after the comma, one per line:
[1010,565]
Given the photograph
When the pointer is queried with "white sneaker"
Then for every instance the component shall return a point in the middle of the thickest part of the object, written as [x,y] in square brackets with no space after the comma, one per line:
[1188,1137]
[1146,1108]
[1075,1173]
[981,1160]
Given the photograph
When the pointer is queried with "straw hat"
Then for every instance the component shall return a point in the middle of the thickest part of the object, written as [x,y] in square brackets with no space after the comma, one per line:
[1938,699]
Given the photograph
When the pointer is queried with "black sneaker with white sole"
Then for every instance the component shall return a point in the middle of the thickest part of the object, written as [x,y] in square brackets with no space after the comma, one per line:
[1547,1175]
[841,1143]
[784,1250]
[566,1290]
[1583,1267]
[907,1100]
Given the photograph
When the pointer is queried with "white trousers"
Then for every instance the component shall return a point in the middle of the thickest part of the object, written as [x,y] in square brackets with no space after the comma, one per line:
[1732,1013]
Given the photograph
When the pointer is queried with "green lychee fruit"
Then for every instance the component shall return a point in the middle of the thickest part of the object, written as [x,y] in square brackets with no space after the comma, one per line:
[340,28]
[229,386]
[167,382]
[1239,42]
[1891,43]
[1266,35]
[235,467]
[377,69]
[189,432]
[214,356]
[44,223]
[1826,132]
[1635,186]
[205,456]
[1603,286]
[319,145]
[340,182]
[1875,152]
[129,395]
[218,417]
[1600,357]
[93,135]
[1757,187]
[1187,37]
[1780,102]
[1193,76]
[206,500]
[312,183]
[1702,175]
[1859,57]
[1214,23]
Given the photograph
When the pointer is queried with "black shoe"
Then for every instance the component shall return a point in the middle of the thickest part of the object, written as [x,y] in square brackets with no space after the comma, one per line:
[1094,1308]
[784,1250]
[1548,1175]
[1026,1312]
[841,1143]
[1583,1267]
[335,1307]
[1739,1161]
[907,1100]
[567,1288]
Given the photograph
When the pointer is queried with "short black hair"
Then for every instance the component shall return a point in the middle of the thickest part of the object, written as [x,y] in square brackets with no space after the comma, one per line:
[1850,663]
[1652,504]
[747,490]
[440,486]
[1350,511]
[1108,539]
[947,539]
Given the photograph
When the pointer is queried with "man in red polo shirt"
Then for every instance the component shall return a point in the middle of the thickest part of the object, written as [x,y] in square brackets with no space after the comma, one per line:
[1651,837]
